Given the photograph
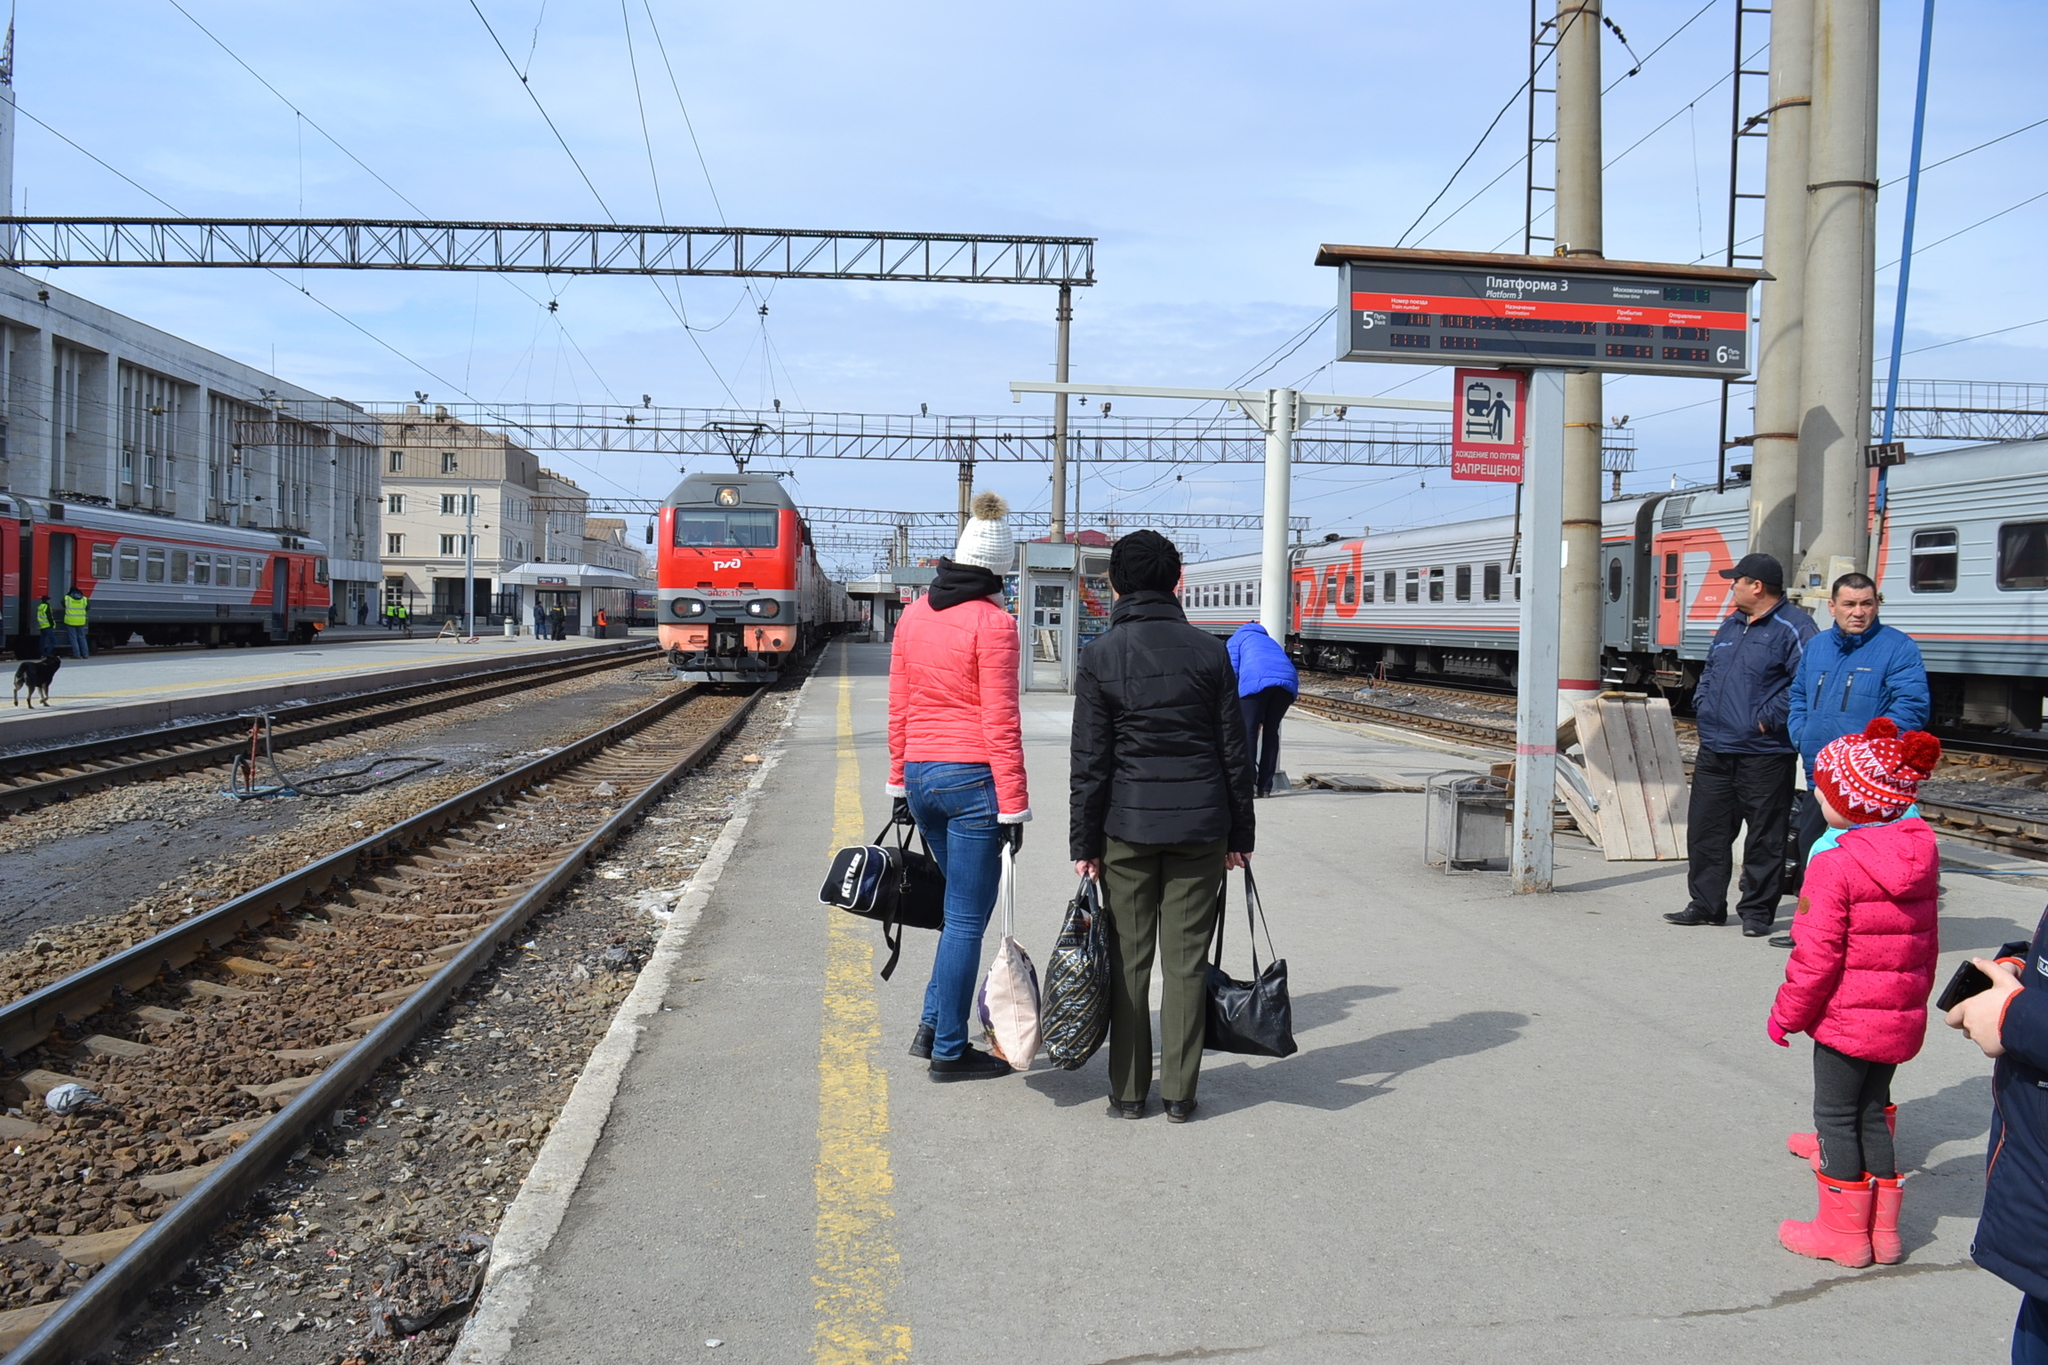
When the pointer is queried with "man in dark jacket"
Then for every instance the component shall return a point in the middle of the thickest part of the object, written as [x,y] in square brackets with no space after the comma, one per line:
[2010,1023]
[1850,674]
[1161,808]
[1743,773]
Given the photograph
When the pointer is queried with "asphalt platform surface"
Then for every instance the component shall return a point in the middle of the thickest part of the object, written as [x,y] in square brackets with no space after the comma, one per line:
[1518,1129]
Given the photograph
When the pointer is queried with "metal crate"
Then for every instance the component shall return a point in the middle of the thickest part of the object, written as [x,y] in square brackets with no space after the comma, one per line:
[1465,822]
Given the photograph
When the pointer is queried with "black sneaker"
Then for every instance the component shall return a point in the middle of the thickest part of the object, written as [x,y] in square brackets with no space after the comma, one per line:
[971,1065]
[921,1042]
[1126,1109]
[1179,1111]
[1692,914]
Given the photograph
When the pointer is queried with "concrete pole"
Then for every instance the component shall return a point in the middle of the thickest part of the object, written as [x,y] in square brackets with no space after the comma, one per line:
[1841,257]
[1579,233]
[469,561]
[1543,470]
[966,493]
[1273,565]
[1059,418]
[1774,472]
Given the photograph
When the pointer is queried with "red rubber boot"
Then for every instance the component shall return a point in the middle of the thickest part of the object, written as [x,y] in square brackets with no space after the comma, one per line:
[1840,1231]
[1884,1222]
[1807,1145]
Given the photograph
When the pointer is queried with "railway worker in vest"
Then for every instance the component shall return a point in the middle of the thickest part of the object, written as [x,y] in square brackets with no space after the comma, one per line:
[75,604]
[1743,774]
[956,766]
[46,626]
[1160,809]
[1267,685]
[1852,673]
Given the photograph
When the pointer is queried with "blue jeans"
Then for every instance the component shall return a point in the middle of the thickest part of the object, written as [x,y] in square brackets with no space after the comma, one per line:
[2030,1333]
[955,808]
[78,650]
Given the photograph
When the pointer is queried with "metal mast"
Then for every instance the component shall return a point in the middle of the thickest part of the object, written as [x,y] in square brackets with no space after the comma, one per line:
[1579,233]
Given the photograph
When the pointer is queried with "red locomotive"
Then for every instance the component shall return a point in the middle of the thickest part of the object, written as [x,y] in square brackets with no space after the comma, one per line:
[740,587]
[172,582]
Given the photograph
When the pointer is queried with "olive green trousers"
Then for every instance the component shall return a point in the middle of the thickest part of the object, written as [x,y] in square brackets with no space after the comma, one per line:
[1158,897]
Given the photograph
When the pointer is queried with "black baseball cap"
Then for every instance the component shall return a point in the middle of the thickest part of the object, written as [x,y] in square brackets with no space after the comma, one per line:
[1764,569]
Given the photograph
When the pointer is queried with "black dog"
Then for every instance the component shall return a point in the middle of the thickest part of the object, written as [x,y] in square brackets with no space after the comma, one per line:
[35,675]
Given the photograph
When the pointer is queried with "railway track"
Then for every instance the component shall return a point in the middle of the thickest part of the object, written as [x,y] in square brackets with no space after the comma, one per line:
[2007,830]
[222,1044]
[38,777]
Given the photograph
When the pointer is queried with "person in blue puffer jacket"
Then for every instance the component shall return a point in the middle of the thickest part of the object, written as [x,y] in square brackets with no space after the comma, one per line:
[2010,1023]
[1266,686]
[1849,675]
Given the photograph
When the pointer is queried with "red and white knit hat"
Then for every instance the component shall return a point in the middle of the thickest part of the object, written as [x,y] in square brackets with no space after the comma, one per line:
[1877,774]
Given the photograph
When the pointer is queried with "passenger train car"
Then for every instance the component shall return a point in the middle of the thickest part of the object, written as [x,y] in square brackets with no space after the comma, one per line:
[172,582]
[740,589]
[1961,555]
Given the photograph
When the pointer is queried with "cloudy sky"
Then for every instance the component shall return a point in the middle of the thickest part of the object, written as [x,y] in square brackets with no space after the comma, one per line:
[1210,148]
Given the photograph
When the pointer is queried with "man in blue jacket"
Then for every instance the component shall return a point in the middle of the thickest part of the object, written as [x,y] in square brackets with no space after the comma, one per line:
[2010,1023]
[1267,685]
[1850,674]
[1743,773]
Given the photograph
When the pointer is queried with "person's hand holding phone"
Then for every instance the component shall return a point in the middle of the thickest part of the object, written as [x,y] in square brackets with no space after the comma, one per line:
[1979,1016]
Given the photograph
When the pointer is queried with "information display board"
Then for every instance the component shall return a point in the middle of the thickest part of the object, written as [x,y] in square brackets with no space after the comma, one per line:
[1452,308]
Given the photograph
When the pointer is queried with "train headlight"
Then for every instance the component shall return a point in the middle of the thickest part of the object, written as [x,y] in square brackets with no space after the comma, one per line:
[687,608]
[764,606]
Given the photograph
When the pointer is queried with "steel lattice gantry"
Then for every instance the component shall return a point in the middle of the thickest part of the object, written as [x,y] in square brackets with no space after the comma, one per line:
[546,248]
[684,434]
[946,521]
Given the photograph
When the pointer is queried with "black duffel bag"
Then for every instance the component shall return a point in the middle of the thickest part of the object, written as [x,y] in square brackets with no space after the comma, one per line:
[894,885]
[1254,1016]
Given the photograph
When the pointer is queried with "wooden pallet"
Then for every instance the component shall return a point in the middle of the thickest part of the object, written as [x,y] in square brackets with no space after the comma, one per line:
[1635,775]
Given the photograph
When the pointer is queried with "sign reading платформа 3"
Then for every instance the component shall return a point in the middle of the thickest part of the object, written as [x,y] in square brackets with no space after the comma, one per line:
[1453,308]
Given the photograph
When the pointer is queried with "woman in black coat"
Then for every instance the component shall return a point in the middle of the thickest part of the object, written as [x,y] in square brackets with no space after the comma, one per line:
[1161,808]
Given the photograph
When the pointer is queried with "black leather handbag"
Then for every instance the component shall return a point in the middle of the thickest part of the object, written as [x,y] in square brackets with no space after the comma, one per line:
[896,886]
[1253,1017]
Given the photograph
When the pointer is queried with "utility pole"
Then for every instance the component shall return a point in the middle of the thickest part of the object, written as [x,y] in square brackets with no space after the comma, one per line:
[1059,418]
[1531,853]
[1282,409]
[1579,233]
[469,561]
[1841,256]
[1774,456]
[966,489]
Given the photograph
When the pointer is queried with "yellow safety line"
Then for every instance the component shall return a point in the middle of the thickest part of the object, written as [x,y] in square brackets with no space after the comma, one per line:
[859,1269]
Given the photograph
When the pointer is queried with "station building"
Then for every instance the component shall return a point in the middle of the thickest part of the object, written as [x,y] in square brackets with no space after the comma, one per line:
[99,408]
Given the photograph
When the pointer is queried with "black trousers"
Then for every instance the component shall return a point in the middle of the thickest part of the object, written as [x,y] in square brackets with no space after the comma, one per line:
[1808,824]
[1849,1097]
[1262,713]
[1729,791]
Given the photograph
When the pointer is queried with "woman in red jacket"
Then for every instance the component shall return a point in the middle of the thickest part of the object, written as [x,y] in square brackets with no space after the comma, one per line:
[956,765]
[1864,946]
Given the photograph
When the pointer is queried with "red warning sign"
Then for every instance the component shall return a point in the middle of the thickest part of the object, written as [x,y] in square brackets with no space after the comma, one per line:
[1486,425]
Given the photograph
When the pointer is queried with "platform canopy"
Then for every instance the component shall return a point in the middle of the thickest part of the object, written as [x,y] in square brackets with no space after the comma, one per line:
[573,576]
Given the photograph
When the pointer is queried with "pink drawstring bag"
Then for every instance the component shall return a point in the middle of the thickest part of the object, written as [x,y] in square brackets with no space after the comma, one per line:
[1009,994]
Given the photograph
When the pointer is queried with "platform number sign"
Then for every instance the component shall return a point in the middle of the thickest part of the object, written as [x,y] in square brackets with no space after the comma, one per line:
[1487,425]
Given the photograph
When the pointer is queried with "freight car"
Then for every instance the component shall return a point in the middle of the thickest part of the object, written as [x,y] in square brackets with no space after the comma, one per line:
[1960,548]
[740,591]
[171,582]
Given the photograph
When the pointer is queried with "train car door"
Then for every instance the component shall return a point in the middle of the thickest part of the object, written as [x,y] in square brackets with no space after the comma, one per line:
[280,597]
[63,565]
[17,604]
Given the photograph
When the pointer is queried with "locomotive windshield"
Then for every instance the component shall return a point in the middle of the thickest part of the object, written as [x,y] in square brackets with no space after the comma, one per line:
[717,528]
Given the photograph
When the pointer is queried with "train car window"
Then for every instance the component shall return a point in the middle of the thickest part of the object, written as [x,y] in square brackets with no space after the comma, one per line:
[181,562]
[1462,586]
[1365,588]
[243,572]
[1387,586]
[1518,587]
[722,528]
[1413,585]
[1614,580]
[1934,562]
[1436,585]
[102,561]
[1252,596]
[1489,583]
[1671,577]
[202,569]
[131,563]
[319,571]
[153,567]
[1330,589]
[1350,590]
[2023,556]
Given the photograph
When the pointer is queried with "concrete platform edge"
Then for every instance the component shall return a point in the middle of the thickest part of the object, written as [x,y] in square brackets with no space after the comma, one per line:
[535,1214]
[65,725]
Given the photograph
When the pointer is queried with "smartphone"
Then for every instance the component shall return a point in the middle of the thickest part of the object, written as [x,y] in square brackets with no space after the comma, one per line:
[1967,981]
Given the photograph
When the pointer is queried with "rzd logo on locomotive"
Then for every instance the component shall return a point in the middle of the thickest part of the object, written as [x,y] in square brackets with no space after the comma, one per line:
[725,564]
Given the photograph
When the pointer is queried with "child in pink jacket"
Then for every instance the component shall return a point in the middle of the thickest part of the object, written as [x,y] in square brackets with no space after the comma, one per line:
[1864,944]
